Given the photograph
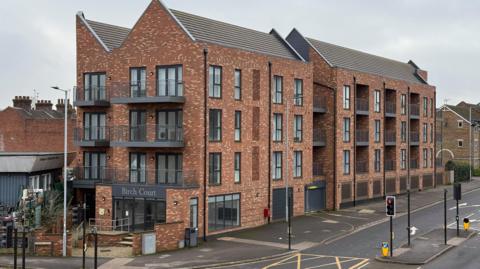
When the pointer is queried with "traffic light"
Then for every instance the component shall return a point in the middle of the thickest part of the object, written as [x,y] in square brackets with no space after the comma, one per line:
[457,191]
[390,205]
[75,216]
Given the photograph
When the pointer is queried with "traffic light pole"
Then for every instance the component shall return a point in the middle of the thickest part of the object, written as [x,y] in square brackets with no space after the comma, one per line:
[84,239]
[15,241]
[445,216]
[457,218]
[391,236]
[408,216]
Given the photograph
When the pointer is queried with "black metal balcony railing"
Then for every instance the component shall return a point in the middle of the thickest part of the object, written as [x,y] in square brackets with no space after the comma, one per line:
[413,163]
[362,104]
[390,165]
[414,110]
[91,93]
[361,136]
[320,102]
[317,169]
[390,136]
[147,133]
[91,133]
[390,107]
[107,175]
[414,137]
[141,88]
[361,167]
[319,136]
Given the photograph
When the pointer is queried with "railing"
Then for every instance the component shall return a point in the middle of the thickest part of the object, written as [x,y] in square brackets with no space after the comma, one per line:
[140,88]
[414,137]
[361,167]
[91,133]
[108,175]
[361,135]
[320,102]
[110,225]
[390,165]
[414,109]
[319,135]
[361,104]
[390,136]
[317,169]
[92,93]
[390,107]
[147,133]
[413,163]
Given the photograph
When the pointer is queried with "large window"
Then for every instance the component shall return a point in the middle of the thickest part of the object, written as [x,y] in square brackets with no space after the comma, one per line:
[169,168]
[215,82]
[94,126]
[297,164]
[238,126]
[425,106]
[237,164]
[403,104]
[138,82]
[170,80]
[346,162]
[215,125]
[346,97]
[223,212]
[425,132]
[376,97]
[425,158]
[277,165]
[40,182]
[215,168]
[346,129]
[277,89]
[403,131]
[94,86]
[238,85]
[170,125]
[298,128]
[377,160]
[142,214]
[138,125]
[277,127]
[403,159]
[94,165]
[377,131]
[138,164]
[298,98]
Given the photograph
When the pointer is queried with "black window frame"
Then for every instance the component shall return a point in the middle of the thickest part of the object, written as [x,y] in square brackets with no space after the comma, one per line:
[377,131]
[346,162]
[403,104]
[179,85]
[97,168]
[403,131]
[277,165]
[277,91]
[238,126]
[346,100]
[214,175]
[101,88]
[215,125]
[237,167]
[237,88]
[297,164]
[298,95]
[377,158]
[346,129]
[178,125]
[277,131]
[235,197]
[377,104]
[298,128]
[143,85]
[178,173]
[138,169]
[101,132]
[141,128]
[212,71]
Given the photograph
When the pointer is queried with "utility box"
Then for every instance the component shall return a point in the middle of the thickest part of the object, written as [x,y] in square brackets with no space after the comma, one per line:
[191,237]
[149,243]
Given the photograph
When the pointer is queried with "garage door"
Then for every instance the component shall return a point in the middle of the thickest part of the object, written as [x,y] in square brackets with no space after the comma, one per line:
[279,203]
[315,198]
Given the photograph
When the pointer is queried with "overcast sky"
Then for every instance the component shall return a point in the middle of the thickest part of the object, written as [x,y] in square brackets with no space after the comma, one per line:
[37,38]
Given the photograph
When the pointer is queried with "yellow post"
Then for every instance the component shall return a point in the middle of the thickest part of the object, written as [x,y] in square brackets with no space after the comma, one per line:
[385,249]
[466,224]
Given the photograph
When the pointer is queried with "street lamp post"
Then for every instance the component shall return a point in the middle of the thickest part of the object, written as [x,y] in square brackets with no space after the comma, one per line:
[64,249]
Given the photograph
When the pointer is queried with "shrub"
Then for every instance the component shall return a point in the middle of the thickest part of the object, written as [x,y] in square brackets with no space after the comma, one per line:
[450,165]
[462,171]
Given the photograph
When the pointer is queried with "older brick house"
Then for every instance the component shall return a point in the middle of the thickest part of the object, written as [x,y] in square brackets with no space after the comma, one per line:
[383,111]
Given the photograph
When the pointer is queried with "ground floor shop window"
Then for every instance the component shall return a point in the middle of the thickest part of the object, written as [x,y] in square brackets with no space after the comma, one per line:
[138,214]
[223,212]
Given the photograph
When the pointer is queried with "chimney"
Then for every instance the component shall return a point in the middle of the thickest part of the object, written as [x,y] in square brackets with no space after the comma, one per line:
[22,102]
[60,106]
[45,105]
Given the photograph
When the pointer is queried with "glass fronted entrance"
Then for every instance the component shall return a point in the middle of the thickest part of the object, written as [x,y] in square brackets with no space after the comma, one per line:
[141,214]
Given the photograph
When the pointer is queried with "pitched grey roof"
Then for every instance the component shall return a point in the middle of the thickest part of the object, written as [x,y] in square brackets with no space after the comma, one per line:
[464,111]
[363,62]
[112,35]
[41,114]
[208,30]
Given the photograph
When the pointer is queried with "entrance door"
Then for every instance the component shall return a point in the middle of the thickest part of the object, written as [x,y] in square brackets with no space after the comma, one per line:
[279,203]
[315,197]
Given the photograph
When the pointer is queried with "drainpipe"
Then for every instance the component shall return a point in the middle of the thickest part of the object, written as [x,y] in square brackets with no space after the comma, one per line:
[384,134]
[434,159]
[354,166]
[269,138]
[205,137]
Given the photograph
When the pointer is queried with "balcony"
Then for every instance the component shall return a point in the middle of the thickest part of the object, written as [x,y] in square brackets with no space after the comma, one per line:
[361,137]
[414,138]
[87,177]
[319,138]
[168,91]
[390,165]
[361,106]
[390,109]
[317,169]
[147,136]
[319,104]
[414,164]
[361,167]
[414,111]
[93,136]
[390,138]
[90,97]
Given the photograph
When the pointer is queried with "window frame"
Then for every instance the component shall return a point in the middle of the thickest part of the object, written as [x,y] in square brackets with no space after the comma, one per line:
[377,131]
[346,162]
[346,129]
[179,85]
[213,71]
[377,160]
[425,132]
[460,143]
[277,131]
[237,133]
[403,131]
[298,95]
[142,86]
[376,101]
[220,205]
[298,128]
[346,97]
[403,159]
[425,106]
[297,164]
[425,158]
[237,167]
[215,125]
[277,91]
[277,165]
[178,160]
[237,87]
[403,104]
[214,173]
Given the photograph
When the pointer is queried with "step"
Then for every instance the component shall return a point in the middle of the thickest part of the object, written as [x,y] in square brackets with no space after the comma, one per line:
[126,243]
[128,238]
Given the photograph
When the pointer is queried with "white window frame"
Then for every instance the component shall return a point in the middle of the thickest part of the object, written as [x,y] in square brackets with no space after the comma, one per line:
[346,162]
[346,97]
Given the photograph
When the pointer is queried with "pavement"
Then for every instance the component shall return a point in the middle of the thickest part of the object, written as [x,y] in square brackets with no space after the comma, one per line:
[350,237]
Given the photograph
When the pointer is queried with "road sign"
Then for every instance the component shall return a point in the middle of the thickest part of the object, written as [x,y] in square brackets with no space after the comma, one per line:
[390,205]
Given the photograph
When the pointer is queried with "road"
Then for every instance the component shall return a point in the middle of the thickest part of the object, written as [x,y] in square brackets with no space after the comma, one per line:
[357,250]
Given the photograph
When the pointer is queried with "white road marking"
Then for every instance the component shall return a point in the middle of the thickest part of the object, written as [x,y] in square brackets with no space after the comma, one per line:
[413,230]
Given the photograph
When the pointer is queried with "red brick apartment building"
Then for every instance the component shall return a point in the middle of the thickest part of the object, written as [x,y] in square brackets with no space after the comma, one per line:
[183,122]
